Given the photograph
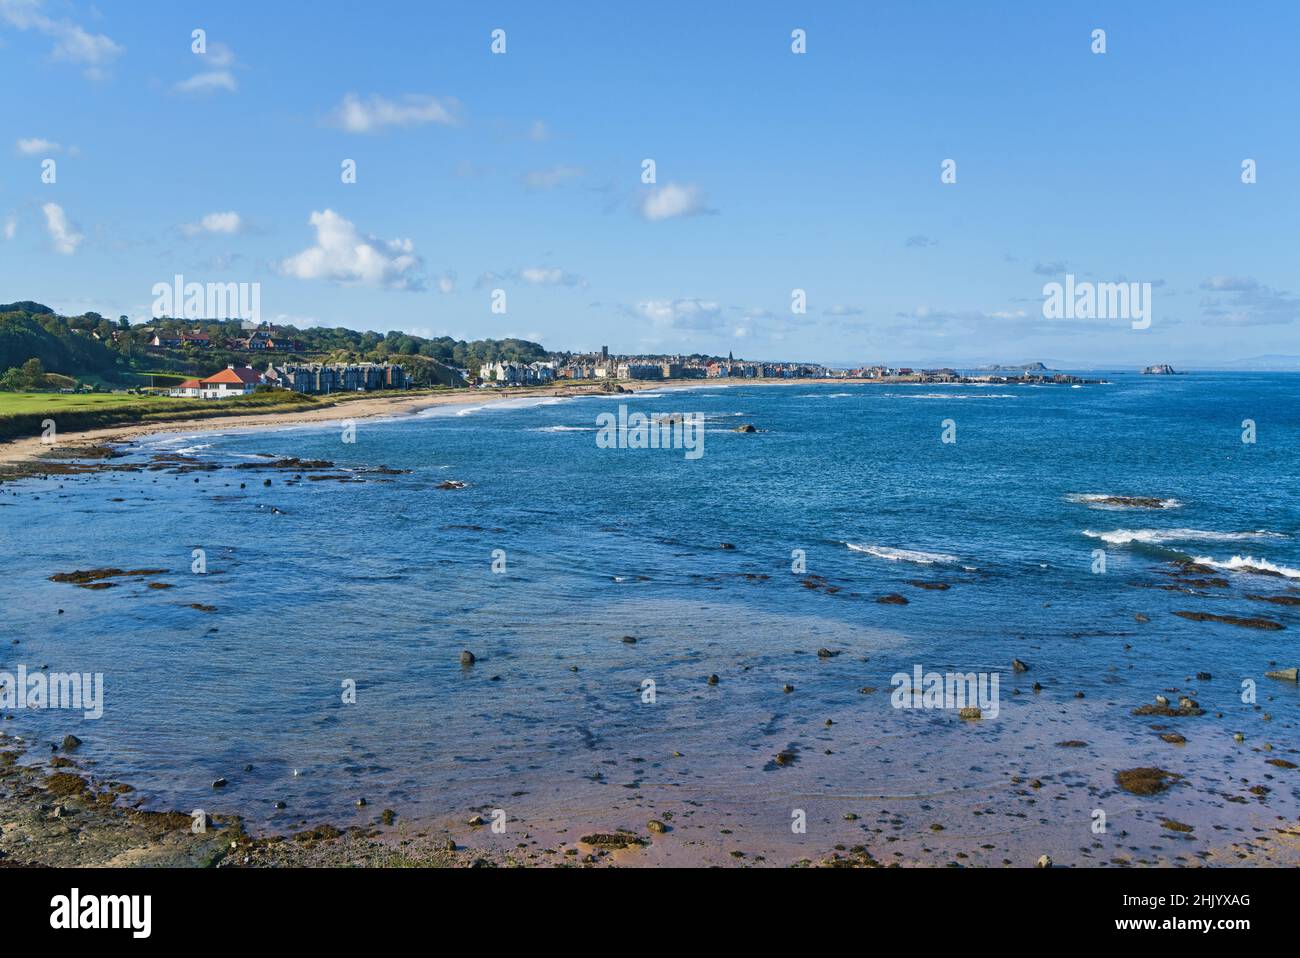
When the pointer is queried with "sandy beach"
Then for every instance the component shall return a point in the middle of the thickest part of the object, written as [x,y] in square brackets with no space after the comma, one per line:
[371,407]
[386,404]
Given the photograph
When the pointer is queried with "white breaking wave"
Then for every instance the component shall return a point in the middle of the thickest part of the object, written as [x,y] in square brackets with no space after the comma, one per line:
[1123,537]
[1097,500]
[565,429]
[1246,563]
[949,396]
[902,555]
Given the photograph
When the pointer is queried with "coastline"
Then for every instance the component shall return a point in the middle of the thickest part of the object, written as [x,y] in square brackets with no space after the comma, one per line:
[25,451]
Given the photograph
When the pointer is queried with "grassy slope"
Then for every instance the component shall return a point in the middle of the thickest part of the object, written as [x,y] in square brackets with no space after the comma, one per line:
[21,414]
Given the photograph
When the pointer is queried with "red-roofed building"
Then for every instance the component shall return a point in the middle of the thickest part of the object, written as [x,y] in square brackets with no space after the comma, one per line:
[231,381]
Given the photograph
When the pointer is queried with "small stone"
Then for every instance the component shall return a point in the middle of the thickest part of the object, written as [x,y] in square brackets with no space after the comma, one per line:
[1238,737]
[475,822]
[1018,666]
[1161,700]
[361,803]
[629,640]
[219,783]
[970,712]
[281,805]
[467,657]
[1203,676]
[1044,861]
[70,742]
[713,679]
[787,689]
[656,826]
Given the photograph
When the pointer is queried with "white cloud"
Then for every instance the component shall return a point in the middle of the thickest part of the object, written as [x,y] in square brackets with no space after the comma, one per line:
[214,76]
[208,82]
[66,237]
[11,226]
[72,43]
[447,282]
[372,115]
[672,200]
[553,177]
[343,255]
[35,145]
[223,223]
[539,132]
[689,314]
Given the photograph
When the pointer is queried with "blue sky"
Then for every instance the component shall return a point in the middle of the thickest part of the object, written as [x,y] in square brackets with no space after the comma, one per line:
[774,171]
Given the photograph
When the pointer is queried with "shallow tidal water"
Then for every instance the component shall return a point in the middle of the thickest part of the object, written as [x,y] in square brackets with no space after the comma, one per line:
[385,580]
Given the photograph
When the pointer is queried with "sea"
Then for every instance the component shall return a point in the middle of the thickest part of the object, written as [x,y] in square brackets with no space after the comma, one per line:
[306,645]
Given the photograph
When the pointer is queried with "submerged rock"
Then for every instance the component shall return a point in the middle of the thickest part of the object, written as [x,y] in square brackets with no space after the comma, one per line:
[467,657]
[1145,781]
[893,598]
[1245,623]
[612,840]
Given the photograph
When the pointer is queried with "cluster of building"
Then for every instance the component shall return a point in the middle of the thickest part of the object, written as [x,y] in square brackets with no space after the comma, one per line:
[298,377]
[604,366]
[336,377]
[517,374]
[261,338]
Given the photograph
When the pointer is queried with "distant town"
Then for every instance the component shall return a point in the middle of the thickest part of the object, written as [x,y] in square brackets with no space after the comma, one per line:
[41,351]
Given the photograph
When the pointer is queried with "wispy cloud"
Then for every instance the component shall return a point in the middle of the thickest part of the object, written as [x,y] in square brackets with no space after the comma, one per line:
[11,226]
[344,255]
[920,241]
[65,236]
[550,178]
[216,73]
[1247,302]
[672,200]
[533,276]
[72,43]
[693,314]
[376,113]
[35,145]
[219,223]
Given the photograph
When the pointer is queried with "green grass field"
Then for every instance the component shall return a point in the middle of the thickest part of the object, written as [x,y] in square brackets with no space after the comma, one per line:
[22,414]
[13,404]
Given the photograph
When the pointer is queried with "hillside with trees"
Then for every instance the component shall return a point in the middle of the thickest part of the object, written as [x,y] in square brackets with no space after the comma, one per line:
[94,348]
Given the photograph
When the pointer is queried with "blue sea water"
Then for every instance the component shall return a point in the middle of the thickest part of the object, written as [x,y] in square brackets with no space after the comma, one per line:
[384,582]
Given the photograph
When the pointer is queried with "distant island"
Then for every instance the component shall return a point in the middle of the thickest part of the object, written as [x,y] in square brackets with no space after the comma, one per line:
[1023,368]
[1160,369]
